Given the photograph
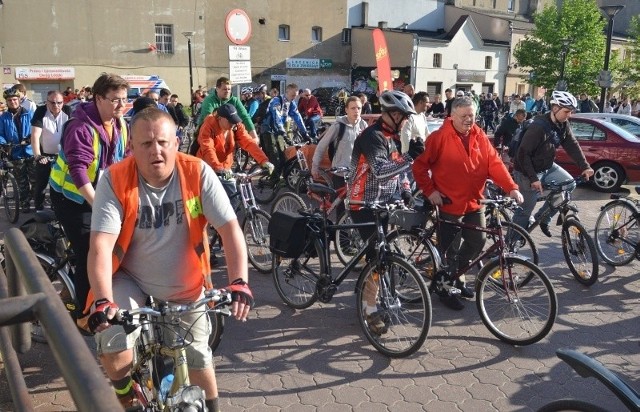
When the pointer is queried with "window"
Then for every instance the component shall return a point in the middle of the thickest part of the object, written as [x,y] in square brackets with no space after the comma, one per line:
[164,38]
[586,131]
[283,32]
[346,36]
[509,5]
[316,34]
[488,62]
[437,60]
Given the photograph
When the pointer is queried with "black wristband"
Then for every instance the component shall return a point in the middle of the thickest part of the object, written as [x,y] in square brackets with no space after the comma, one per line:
[100,302]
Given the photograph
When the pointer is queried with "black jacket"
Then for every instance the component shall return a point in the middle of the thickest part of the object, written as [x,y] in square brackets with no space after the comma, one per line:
[505,131]
[537,151]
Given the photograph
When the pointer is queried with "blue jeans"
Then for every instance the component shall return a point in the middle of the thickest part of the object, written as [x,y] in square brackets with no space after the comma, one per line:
[312,124]
[554,173]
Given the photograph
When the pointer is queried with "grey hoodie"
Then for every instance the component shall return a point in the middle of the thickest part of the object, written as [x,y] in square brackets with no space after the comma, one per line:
[342,157]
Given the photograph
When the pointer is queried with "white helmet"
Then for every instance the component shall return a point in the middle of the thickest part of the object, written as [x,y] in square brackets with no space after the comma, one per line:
[395,100]
[564,99]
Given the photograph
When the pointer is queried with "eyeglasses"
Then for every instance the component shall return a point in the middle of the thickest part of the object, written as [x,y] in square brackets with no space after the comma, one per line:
[116,101]
[56,103]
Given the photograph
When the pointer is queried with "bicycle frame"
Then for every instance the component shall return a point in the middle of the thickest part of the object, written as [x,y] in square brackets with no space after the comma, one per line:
[498,246]
[566,209]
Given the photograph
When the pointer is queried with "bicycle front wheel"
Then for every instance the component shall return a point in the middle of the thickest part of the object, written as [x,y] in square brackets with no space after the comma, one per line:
[264,188]
[516,312]
[62,285]
[579,252]
[11,197]
[295,278]
[394,307]
[217,329]
[571,405]
[288,202]
[257,237]
[617,233]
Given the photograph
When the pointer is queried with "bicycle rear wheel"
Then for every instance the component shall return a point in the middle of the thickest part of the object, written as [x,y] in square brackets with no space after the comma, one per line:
[516,312]
[394,307]
[617,233]
[579,252]
[288,202]
[256,236]
[412,246]
[10,197]
[295,278]
[347,241]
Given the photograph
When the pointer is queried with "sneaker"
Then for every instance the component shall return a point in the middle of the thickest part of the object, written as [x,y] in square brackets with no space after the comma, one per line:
[376,323]
[545,229]
[451,301]
[465,291]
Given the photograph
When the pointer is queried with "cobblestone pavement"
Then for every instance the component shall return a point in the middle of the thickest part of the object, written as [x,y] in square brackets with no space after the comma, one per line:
[317,359]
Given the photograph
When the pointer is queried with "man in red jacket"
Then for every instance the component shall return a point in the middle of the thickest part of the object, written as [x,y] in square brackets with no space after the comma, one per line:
[310,111]
[460,158]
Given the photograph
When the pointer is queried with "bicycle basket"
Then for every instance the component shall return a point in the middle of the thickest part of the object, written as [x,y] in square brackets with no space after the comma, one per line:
[287,234]
[407,219]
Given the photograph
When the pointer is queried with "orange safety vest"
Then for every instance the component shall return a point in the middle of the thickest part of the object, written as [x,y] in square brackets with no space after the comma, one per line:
[124,178]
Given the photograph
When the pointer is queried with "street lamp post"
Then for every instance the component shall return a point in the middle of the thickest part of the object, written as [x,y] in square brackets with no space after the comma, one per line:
[610,12]
[189,35]
[562,83]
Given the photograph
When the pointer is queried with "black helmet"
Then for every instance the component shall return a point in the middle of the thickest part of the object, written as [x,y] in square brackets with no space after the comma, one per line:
[394,100]
[10,92]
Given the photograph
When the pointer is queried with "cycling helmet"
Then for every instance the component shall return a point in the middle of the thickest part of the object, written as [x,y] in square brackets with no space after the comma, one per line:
[394,100]
[11,92]
[261,89]
[246,90]
[564,99]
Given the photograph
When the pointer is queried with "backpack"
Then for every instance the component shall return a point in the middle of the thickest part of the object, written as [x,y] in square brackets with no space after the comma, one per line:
[514,144]
[333,145]
[261,112]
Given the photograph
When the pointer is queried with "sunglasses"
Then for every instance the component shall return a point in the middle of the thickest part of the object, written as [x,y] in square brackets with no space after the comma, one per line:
[55,103]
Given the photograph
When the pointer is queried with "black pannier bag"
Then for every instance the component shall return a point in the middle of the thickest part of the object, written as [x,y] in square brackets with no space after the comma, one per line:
[287,234]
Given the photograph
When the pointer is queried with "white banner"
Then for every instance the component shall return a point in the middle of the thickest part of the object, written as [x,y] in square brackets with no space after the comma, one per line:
[45,73]
[240,72]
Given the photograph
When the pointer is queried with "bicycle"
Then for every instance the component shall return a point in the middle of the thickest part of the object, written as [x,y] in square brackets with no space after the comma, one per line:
[348,240]
[160,351]
[577,245]
[302,273]
[617,231]
[588,367]
[9,192]
[417,241]
[254,223]
[515,299]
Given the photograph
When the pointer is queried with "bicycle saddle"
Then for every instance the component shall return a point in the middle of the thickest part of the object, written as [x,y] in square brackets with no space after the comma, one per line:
[322,189]
[44,216]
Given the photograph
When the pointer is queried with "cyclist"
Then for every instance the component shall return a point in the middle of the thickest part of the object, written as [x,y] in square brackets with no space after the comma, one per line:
[280,110]
[534,162]
[456,162]
[221,96]
[147,239]
[219,134]
[310,111]
[94,138]
[376,165]
[46,130]
[15,128]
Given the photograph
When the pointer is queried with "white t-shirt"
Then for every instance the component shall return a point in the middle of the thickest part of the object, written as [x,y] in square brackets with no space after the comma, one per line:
[415,127]
[157,258]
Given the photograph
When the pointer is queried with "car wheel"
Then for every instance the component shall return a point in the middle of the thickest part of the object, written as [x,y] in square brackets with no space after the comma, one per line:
[608,177]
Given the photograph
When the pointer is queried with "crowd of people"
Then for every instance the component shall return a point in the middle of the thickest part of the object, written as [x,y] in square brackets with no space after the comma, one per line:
[134,208]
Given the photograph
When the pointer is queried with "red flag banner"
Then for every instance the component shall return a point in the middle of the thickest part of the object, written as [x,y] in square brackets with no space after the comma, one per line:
[383,63]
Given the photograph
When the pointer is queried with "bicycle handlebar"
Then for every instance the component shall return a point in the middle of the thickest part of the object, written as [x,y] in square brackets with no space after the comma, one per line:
[244,176]
[220,297]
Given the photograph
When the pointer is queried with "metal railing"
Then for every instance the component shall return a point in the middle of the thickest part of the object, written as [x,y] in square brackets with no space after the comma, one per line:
[26,294]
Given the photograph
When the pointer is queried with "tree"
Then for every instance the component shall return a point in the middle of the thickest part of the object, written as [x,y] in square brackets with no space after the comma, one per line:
[540,52]
[627,77]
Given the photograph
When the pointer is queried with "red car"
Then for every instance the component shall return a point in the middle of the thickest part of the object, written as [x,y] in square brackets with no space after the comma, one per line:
[612,152]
